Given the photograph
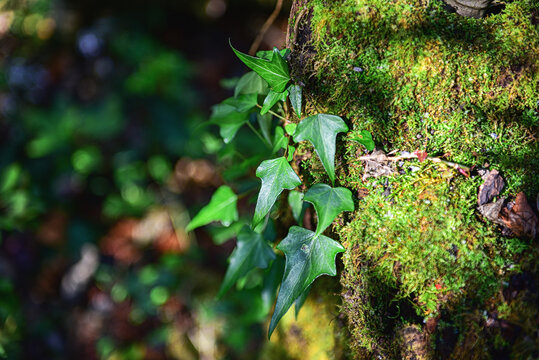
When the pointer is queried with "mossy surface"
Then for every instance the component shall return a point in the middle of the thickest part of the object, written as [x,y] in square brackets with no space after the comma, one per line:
[418,252]
[315,333]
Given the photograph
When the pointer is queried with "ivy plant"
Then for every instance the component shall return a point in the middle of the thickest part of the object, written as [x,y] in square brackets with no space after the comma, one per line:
[259,102]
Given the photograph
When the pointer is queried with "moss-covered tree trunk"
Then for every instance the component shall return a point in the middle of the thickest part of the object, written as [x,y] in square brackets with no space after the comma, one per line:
[425,274]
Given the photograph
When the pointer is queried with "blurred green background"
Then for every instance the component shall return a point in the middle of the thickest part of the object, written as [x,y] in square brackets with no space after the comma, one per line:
[105,151]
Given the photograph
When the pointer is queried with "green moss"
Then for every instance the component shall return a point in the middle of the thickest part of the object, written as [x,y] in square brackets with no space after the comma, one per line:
[419,77]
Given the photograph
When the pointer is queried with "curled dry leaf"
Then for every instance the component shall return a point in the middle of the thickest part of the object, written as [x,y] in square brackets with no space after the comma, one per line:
[519,217]
[491,211]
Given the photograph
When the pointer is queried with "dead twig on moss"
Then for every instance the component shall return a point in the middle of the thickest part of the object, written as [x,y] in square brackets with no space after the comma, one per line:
[464,170]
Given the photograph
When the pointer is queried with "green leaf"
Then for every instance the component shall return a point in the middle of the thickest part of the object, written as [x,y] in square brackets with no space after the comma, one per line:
[321,130]
[222,207]
[271,99]
[10,177]
[295,98]
[229,120]
[279,140]
[274,70]
[251,251]
[307,257]
[242,103]
[295,200]
[291,150]
[264,121]
[251,83]
[276,175]
[272,280]
[301,300]
[290,128]
[365,139]
[221,234]
[267,54]
[328,203]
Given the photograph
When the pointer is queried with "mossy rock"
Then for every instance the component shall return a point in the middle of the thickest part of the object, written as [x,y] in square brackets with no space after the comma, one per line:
[419,255]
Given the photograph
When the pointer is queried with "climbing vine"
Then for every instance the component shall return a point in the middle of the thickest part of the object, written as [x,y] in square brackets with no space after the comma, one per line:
[308,254]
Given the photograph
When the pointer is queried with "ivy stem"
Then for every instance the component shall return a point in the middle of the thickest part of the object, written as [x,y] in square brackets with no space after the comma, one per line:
[274,114]
[258,134]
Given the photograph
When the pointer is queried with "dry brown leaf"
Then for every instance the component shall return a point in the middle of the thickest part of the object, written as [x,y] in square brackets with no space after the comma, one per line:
[492,187]
[378,165]
[519,217]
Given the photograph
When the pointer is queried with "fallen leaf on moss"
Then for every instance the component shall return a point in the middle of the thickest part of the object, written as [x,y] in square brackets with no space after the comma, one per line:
[378,165]
[492,187]
[491,211]
[519,217]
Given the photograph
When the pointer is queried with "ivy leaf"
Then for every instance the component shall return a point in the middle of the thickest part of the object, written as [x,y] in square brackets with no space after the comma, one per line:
[365,139]
[291,150]
[271,99]
[295,98]
[274,71]
[229,120]
[307,257]
[301,300]
[279,140]
[328,203]
[295,200]
[272,280]
[276,175]
[267,54]
[242,103]
[251,83]
[321,130]
[290,128]
[251,251]
[221,234]
[264,121]
[222,207]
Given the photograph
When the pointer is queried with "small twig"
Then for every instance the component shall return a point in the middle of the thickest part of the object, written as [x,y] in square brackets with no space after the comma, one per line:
[383,157]
[265,27]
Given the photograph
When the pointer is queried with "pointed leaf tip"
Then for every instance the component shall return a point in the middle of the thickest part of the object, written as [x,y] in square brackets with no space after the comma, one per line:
[321,130]
[274,71]
[276,175]
[328,203]
[252,251]
[308,256]
[222,207]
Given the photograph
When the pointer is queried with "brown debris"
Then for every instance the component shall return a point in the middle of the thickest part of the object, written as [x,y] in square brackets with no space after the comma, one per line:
[492,187]
[492,211]
[519,217]
[377,165]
